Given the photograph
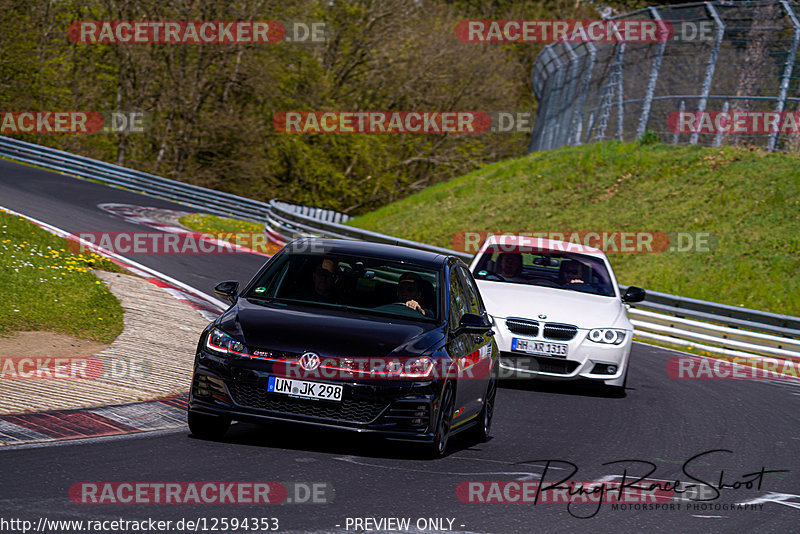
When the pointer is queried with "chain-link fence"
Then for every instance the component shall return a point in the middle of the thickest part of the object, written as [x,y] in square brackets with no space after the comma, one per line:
[724,61]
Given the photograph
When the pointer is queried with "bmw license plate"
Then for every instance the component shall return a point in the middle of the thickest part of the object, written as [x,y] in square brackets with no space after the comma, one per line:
[555,350]
[302,388]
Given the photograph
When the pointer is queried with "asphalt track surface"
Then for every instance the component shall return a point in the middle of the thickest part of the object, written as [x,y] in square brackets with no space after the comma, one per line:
[661,420]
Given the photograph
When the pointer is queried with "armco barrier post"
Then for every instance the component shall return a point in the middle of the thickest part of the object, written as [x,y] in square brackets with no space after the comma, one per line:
[610,87]
[577,114]
[787,70]
[712,64]
[644,118]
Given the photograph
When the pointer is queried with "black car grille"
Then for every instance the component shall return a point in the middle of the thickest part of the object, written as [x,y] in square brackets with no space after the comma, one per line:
[541,364]
[348,410]
[560,332]
[555,331]
[523,326]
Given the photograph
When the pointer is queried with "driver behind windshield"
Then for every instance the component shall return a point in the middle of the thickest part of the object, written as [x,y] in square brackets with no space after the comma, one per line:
[409,292]
[509,265]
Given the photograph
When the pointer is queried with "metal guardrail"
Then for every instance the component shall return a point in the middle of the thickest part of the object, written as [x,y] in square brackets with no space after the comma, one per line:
[700,332]
[723,314]
[711,326]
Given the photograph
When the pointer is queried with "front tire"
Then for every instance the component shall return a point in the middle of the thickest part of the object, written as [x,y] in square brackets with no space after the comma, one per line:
[443,423]
[210,427]
[483,427]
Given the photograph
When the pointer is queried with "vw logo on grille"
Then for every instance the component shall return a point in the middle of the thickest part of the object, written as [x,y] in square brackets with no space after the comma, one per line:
[309,361]
[542,316]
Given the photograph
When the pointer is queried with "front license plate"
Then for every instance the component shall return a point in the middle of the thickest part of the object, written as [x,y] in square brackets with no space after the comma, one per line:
[302,388]
[556,350]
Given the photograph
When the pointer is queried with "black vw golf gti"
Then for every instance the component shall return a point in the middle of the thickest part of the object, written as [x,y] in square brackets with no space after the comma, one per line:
[350,335]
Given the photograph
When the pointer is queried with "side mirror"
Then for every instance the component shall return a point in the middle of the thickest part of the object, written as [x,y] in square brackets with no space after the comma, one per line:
[473,324]
[634,294]
[228,290]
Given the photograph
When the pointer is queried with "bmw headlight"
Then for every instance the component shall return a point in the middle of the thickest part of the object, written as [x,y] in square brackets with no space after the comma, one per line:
[609,336]
[221,343]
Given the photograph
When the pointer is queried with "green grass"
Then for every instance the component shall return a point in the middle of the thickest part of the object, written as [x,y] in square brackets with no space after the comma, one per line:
[47,284]
[244,231]
[747,199]
[211,223]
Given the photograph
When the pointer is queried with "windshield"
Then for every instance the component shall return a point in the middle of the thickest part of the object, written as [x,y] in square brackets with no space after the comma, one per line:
[560,270]
[362,284]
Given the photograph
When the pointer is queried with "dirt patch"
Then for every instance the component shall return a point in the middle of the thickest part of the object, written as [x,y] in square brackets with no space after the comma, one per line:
[47,345]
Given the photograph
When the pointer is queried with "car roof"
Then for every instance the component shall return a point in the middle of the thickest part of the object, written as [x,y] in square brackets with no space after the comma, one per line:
[539,244]
[314,245]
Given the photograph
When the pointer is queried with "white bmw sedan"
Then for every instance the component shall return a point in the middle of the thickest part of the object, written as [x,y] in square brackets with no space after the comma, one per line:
[557,310]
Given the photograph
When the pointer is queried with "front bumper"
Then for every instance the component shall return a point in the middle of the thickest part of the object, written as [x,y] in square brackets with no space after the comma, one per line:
[585,359]
[402,410]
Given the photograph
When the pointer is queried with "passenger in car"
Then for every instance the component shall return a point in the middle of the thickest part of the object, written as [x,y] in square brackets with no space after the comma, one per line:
[572,272]
[323,286]
[409,292]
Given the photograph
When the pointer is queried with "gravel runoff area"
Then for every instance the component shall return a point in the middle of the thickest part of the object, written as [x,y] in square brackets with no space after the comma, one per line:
[152,357]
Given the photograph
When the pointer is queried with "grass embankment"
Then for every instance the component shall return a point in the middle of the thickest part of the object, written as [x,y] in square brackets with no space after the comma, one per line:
[245,233]
[47,284]
[748,200]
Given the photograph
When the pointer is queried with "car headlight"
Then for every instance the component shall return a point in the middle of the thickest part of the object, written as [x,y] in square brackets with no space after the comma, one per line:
[221,343]
[609,336]
[420,367]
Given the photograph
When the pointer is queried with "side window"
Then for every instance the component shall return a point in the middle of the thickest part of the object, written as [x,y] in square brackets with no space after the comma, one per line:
[458,299]
[473,297]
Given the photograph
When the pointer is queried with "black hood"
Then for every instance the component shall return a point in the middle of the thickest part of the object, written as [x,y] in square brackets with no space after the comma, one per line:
[331,333]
